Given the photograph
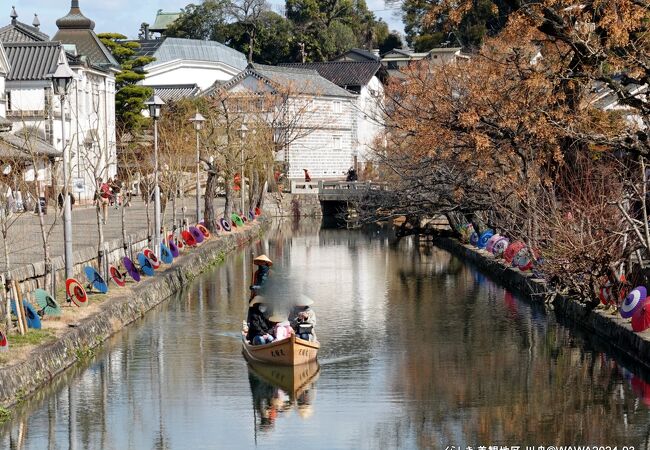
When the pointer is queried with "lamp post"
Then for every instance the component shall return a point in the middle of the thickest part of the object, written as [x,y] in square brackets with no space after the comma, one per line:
[198,120]
[61,80]
[242,133]
[155,104]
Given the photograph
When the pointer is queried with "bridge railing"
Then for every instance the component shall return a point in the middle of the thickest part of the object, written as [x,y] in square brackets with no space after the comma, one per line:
[342,190]
[305,187]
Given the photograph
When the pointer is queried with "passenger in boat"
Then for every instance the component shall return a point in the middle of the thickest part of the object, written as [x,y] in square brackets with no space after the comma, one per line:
[303,319]
[259,326]
[281,326]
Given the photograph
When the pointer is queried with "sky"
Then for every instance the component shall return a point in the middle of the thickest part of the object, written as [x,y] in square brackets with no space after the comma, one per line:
[124,16]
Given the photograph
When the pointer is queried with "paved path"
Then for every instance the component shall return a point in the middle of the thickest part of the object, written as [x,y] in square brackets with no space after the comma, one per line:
[26,245]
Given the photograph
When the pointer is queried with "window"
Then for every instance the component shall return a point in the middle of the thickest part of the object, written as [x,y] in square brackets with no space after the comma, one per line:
[392,65]
[49,136]
[336,142]
[8,100]
[337,107]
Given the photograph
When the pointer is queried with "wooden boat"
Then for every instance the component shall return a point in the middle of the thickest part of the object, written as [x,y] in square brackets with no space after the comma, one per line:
[292,379]
[291,351]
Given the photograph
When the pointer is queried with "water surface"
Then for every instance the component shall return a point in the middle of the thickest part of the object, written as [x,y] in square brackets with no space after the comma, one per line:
[418,351]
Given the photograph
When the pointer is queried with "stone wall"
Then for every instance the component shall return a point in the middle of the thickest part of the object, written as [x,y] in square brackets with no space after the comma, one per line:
[291,205]
[615,330]
[21,379]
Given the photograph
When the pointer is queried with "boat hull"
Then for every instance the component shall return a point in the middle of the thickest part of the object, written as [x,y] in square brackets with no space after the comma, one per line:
[291,351]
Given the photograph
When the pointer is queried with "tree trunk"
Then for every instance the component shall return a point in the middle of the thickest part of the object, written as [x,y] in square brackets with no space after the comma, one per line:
[146,207]
[230,200]
[123,224]
[46,244]
[251,42]
[210,193]
[100,239]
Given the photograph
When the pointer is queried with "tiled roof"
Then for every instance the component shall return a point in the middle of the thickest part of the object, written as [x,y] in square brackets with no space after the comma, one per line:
[301,81]
[21,32]
[176,92]
[361,52]
[77,29]
[173,49]
[148,47]
[21,146]
[343,73]
[163,20]
[32,61]
[88,45]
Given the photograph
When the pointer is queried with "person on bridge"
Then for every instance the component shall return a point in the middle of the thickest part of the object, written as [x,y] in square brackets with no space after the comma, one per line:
[351,175]
[307,176]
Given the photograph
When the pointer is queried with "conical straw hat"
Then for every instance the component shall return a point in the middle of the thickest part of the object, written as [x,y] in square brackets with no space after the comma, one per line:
[303,300]
[256,300]
[262,260]
[277,318]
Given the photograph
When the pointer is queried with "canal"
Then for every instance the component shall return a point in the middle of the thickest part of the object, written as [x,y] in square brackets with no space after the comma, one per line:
[419,350]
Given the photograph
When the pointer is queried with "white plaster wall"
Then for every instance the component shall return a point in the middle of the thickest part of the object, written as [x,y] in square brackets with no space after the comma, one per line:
[204,77]
[28,99]
[314,149]
[369,118]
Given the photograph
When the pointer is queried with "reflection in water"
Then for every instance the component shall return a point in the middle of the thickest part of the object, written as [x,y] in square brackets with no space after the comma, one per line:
[418,351]
[279,389]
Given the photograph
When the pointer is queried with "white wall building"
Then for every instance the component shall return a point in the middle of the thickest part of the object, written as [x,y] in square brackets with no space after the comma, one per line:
[364,78]
[324,126]
[182,61]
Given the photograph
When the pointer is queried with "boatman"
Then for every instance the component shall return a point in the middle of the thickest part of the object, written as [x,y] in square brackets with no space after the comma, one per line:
[261,274]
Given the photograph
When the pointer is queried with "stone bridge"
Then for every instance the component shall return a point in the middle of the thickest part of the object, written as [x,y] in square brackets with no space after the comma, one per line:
[338,198]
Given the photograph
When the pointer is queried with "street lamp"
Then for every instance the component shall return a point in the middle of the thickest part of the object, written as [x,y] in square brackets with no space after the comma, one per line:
[155,104]
[198,120]
[242,132]
[61,80]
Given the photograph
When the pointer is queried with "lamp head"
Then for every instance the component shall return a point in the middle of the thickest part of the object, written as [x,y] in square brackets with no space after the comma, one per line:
[154,104]
[197,120]
[62,78]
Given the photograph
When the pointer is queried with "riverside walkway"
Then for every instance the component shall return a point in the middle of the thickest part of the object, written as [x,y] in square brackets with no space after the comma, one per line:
[26,245]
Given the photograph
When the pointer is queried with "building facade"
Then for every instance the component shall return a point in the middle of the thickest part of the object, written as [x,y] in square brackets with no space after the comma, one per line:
[321,117]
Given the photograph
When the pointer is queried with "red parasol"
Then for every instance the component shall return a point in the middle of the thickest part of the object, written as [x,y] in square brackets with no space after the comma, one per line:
[641,318]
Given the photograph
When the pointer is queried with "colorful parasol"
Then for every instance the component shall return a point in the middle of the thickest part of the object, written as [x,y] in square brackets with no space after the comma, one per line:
[173,249]
[155,262]
[4,343]
[258,212]
[204,231]
[31,315]
[490,243]
[130,268]
[641,318]
[75,292]
[251,215]
[523,261]
[166,254]
[237,220]
[188,238]
[500,246]
[473,238]
[633,301]
[512,250]
[145,265]
[95,280]
[197,235]
[117,276]
[224,224]
[48,305]
[484,238]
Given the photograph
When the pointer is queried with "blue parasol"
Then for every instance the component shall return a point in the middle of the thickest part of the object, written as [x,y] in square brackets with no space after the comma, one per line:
[33,321]
[166,254]
[145,265]
[95,280]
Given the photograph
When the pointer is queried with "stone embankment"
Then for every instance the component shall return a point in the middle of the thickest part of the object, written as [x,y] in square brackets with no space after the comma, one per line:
[75,341]
[615,330]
